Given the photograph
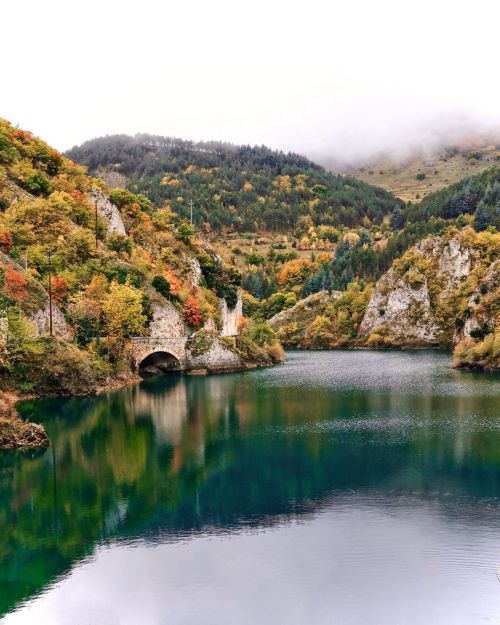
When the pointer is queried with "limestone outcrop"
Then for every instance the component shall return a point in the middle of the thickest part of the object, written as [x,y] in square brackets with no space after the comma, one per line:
[108,212]
[231,317]
[41,323]
[422,299]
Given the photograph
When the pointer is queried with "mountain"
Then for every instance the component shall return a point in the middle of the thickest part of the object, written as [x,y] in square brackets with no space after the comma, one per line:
[116,268]
[238,188]
[414,177]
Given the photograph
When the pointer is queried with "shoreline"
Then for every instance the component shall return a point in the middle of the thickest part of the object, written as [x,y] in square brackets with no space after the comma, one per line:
[15,433]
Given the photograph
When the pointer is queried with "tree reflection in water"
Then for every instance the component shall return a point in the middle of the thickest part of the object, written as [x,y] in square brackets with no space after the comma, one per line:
[176,455]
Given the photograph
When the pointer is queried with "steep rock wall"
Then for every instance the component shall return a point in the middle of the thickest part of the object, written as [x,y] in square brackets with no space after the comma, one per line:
[417,300]
[167,322]
[60,327]
[218,357]
[231,317]
[108,212]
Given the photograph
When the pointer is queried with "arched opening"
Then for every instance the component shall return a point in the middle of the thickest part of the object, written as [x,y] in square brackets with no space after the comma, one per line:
[158,363]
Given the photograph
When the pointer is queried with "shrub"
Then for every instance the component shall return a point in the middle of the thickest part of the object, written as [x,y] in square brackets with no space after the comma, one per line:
[37,184]
[201,342]
[191,313]
[121,244]
[162,285]
[184,232]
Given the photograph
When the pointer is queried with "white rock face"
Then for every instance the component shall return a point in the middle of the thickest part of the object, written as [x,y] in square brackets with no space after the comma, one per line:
[41,322]
[392,303]
[108,211]
[454,260]
[210,325]
[167,322]
[230,318]
[195,271]
[217,358]
[401,305]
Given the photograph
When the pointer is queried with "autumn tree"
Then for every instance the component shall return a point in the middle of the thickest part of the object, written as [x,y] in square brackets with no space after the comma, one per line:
[295,272]
[5,241]
[86,309]
[191,313]
[59,289]
[123,316]
[15,285]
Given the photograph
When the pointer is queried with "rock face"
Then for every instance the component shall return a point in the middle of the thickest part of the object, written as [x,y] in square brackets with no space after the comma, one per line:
[218,357]
[108,212]
[60,328]
[230,318]
[417,301]
[402,310]
[479,316]
[167,322]
[195,271]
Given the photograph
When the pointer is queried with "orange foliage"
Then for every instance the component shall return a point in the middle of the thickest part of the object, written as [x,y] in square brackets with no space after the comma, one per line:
[173,280]
[295,271]
[59,289]
[192,313]
[15,284]
[5,241]
[242,324]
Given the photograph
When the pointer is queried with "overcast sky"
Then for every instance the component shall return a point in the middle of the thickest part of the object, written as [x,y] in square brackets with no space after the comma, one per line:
[340,79]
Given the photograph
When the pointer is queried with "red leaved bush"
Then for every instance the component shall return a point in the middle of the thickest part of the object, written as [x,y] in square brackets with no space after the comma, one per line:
[59,289]
[192,313]
[5,241]
[15,284]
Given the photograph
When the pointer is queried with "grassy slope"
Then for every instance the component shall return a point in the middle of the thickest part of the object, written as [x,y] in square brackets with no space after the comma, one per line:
[441,168]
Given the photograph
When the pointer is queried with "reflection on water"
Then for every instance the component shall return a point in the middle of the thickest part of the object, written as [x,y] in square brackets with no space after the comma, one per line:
[347,486]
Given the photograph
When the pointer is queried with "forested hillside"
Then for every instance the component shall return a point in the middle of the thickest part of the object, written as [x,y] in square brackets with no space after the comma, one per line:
[240,188]
[477,196]
[112,262]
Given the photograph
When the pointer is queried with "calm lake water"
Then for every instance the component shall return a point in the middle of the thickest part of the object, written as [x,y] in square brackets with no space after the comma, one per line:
[349,488]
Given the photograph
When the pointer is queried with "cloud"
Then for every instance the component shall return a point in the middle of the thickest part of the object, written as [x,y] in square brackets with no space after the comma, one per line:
[336,80]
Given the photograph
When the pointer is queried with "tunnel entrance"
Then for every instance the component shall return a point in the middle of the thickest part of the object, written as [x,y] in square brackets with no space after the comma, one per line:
[159,363]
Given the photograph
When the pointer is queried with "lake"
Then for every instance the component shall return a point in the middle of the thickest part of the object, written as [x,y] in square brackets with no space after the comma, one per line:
[344,487]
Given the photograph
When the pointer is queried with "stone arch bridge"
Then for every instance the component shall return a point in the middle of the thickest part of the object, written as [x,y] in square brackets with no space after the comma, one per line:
[159,352]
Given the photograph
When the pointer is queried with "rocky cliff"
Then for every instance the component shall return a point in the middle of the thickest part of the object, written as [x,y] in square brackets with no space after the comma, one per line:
[428,296]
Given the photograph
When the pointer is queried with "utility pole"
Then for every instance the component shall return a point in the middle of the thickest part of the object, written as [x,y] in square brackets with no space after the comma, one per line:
[95,206]
[49,253]
[191,205]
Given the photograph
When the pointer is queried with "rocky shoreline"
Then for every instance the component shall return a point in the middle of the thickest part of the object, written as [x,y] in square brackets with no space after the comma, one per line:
[16,433]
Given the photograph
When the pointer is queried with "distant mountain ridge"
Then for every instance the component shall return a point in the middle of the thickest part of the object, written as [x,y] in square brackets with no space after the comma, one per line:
[242,188]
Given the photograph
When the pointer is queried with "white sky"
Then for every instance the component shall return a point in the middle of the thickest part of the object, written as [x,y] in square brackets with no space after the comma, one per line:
[339,79]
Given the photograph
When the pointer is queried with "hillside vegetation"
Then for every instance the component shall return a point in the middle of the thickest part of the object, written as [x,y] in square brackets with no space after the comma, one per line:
[108,275]
[420,174]
[443,292]
[240,188]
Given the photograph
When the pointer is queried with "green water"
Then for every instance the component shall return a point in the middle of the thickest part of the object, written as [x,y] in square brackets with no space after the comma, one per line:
[343,487]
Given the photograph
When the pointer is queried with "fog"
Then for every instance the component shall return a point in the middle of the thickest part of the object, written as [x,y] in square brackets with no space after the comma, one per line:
[338,81]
